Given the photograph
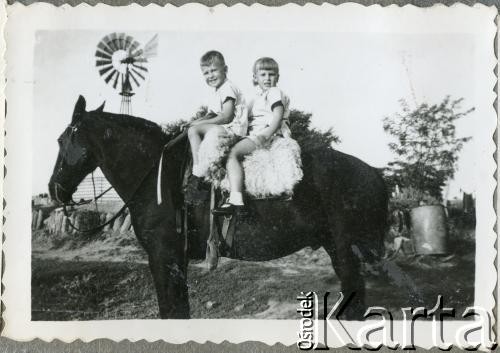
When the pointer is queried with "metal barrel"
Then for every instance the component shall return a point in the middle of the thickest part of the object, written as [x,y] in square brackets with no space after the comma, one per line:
[429,230]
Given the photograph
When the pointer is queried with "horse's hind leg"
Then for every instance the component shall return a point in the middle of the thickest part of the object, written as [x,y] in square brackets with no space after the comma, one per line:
[347,267]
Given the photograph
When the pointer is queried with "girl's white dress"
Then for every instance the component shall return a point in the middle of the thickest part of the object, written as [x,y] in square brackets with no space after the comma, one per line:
[260,113]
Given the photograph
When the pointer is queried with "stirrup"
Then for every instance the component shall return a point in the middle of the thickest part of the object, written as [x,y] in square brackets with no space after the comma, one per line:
[227,209]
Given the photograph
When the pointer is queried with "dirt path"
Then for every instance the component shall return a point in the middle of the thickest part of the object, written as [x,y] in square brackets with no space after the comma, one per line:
[108,278]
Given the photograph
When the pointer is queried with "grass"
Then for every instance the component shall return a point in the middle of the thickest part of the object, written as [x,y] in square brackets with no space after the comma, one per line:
[107,277]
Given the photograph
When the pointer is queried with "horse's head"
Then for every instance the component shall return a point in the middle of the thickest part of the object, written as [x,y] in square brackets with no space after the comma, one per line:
[75,159]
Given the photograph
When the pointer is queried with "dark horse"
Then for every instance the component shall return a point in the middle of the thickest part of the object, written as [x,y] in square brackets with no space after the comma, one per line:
[341,204]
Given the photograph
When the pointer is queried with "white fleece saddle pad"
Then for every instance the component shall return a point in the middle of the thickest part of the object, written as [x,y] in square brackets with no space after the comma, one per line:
[269,172]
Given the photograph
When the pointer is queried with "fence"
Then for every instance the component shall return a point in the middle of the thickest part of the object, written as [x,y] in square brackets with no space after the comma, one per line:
[86,190]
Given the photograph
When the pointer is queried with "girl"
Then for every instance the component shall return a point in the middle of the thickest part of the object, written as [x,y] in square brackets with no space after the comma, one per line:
[267,117]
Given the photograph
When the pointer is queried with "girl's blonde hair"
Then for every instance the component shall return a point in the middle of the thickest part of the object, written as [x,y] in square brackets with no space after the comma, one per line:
[265,63]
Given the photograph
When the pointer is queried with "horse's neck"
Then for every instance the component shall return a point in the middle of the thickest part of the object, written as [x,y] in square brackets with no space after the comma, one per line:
[128,154]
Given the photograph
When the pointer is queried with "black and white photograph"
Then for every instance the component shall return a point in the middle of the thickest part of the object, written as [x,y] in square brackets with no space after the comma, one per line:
[206,169]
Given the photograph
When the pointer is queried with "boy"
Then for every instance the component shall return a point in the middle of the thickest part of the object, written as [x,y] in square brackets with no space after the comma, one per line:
[227,111]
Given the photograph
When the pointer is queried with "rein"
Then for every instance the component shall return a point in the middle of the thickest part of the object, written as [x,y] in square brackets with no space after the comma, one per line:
[92,230]
[112,219]
[85,202]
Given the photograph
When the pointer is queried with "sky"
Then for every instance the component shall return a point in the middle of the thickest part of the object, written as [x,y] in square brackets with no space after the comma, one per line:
[348,81]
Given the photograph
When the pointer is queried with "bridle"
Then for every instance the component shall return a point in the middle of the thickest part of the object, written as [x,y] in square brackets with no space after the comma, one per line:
[72,203]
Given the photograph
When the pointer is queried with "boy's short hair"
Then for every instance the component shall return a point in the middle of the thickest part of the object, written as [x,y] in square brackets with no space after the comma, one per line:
[265,63]
[212,56]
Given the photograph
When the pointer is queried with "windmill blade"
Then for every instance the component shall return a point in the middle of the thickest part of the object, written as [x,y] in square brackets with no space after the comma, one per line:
[140,59]
[104,48]
[110,41]
[130,74]
[103,62]
[104,70]
[138,73]
[116,41]
[151,47]
[110,76]
[116,81]
[134,46]
[121,40]
[128,42]
[137,53]
[140,67]
[103,55]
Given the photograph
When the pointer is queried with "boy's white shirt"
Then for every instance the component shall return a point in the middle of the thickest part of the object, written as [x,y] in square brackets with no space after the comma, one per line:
[239,124]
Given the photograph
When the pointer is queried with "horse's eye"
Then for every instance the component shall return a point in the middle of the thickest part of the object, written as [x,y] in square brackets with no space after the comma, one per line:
[59,141]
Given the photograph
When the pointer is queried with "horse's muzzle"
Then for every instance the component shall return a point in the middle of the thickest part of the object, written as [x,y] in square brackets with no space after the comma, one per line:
[59,193]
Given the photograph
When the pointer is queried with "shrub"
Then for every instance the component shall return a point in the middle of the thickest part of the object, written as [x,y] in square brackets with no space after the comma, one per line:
[426,147]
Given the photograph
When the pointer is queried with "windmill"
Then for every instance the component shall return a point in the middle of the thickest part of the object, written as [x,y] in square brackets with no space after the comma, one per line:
[121,63]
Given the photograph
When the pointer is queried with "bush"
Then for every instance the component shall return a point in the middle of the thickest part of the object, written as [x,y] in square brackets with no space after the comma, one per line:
[426,147]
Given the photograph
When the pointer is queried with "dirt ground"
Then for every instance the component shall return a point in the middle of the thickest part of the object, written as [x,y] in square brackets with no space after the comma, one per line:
[107,278]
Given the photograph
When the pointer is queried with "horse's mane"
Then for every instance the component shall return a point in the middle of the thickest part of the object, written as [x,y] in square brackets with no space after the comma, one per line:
[146,127]
[131,121]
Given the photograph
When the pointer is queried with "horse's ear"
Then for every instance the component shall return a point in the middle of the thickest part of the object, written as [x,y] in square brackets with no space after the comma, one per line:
[101,107]
[79,108]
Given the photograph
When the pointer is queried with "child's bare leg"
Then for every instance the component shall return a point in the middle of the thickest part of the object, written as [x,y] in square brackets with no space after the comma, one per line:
[235,169]
[195,135]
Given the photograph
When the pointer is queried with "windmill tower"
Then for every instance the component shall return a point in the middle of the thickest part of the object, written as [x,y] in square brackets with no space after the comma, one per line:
[121,63]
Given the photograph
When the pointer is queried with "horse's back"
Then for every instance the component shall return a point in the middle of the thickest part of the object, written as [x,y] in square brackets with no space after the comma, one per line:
[334,177]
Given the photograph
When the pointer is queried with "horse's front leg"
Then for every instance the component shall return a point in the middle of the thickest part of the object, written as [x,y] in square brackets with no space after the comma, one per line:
[166,261]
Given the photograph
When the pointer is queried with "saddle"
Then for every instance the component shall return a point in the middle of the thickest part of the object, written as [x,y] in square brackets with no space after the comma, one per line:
[221,240]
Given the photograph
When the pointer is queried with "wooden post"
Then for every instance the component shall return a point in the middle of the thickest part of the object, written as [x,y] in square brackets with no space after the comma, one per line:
[107,226]
[76,223]
[64,224]
[126,224]
[34,215]
[51,222]
[39,219]
[72,220]
[117,224]
[58,223]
